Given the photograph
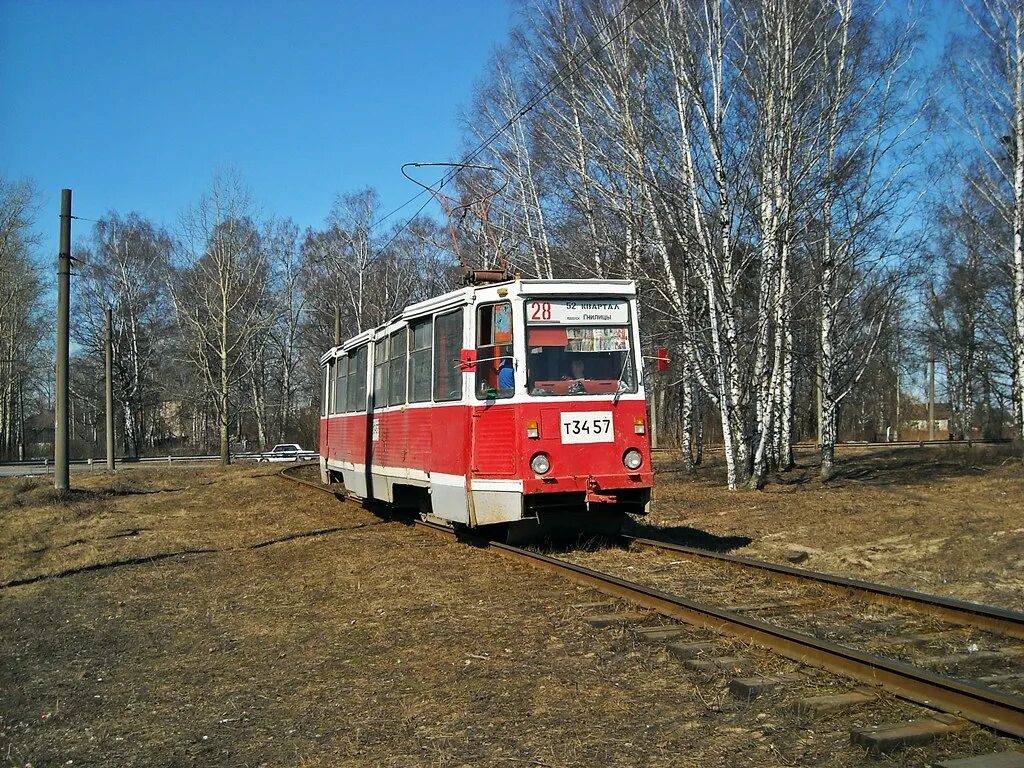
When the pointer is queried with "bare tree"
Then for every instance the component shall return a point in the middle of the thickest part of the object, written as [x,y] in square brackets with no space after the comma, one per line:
[219,291]
[744,162]
[498,103]
[125,270]
[988,74]
[22,335]
[872,113]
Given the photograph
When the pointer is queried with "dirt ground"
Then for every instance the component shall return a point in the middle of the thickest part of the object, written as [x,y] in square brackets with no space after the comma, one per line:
[228,617]
[945,520]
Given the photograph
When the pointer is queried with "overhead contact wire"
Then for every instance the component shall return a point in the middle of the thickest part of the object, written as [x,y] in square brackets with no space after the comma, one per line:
[543,93]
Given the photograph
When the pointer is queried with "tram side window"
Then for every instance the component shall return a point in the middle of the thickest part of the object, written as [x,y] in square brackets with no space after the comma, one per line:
[447,344]
[396,390]
[332,387]
[326,391]
[380,373]
[341,385]
[357,380]
[419,362]
[495,365]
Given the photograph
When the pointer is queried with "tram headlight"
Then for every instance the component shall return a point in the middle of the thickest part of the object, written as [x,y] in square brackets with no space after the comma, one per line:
[632,459]
[540,464]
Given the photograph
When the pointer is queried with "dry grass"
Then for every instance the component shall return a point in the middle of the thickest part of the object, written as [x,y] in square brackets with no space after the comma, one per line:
[943,520]
[368,643]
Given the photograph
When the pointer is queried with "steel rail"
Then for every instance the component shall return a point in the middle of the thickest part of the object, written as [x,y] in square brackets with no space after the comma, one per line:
[987,706]
[981,704]
[992,618]
[308,483]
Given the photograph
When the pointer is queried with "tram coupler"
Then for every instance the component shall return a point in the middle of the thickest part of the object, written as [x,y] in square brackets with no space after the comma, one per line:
[593,497]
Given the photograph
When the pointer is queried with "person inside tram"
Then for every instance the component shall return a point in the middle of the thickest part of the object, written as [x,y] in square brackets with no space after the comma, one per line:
[576,375]
[576,369]
[506,373]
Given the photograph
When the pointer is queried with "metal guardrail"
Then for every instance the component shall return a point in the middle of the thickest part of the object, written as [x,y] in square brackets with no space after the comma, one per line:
[890,444]
[99,463]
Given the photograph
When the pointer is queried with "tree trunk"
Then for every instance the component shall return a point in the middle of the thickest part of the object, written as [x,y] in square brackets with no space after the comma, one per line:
[225,445]
[1018,228]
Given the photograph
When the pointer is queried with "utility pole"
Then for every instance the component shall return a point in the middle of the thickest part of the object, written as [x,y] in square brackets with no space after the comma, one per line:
[899,355]
[931,399]
[817,393]
[21,414]
[337,325]
[654,417]
[109,349]
[661,401]
[61,470]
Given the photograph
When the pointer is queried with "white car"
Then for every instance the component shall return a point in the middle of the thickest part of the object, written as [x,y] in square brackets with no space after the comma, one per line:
[286,452]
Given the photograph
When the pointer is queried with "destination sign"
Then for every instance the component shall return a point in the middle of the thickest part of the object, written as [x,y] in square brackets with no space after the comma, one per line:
[577,312]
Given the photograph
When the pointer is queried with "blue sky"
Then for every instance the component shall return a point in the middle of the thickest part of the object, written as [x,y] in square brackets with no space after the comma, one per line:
[134,104]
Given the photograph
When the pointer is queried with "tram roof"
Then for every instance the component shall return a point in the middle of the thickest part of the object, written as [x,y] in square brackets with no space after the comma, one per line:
[462,296]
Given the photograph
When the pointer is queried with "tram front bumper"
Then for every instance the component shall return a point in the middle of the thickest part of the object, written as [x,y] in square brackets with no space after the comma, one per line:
[628,492]
[605,484]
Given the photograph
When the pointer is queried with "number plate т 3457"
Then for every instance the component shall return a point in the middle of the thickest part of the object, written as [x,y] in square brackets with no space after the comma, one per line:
[587,427]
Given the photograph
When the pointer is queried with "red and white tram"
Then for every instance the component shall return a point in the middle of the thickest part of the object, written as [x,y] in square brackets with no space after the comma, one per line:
[512,401]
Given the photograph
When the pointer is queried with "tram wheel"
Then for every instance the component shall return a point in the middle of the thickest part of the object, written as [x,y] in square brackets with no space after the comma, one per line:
[564,528]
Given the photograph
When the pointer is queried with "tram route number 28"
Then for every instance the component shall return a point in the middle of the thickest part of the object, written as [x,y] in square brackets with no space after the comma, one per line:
[540,310]
[587,427]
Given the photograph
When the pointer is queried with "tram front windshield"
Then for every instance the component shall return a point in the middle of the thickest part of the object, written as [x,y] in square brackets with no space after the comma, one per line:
[579,360]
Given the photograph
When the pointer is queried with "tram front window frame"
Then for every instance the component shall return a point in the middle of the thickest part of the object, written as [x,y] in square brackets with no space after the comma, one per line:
[593,357]
[494,339]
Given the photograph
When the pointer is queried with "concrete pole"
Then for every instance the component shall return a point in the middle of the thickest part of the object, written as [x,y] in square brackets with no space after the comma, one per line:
[653,398]
[21,414]
[817,392]
[931,399]
[661,401]
[61,454]
[337,325]
[109,348]
[899,356]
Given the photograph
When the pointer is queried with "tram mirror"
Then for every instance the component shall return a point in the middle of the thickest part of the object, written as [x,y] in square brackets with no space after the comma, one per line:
[467,360]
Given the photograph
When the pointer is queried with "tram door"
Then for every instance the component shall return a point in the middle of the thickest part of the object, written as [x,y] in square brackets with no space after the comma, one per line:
[494,431]
[383,428]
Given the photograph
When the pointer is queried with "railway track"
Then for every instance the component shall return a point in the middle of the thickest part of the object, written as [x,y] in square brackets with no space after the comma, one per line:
[971,700]
[960,612]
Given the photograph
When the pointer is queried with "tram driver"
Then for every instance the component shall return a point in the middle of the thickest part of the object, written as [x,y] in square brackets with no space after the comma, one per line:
[577,373]
[577,369]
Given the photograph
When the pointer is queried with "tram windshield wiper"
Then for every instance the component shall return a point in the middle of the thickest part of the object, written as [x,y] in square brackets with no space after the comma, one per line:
[622,384]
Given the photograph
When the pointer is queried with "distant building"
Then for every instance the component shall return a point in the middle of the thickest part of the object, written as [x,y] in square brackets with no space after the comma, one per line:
[914,425]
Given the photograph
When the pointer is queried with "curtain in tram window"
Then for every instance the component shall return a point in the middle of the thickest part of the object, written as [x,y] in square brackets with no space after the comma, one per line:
[597,339]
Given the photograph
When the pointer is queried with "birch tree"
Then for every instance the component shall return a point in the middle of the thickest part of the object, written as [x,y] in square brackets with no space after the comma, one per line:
[125,270]
[219,290]
[988,75]
[289,308]
[871,106]
[699,46]
[498,103]
[22,335]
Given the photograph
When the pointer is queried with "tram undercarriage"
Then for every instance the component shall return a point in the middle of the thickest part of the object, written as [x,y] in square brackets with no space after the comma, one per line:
[548,517]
